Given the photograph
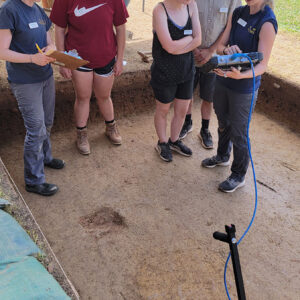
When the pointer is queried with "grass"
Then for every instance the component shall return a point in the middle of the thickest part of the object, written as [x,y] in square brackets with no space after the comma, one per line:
[288,15]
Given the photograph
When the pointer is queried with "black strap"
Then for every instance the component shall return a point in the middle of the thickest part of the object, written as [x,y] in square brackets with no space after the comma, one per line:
[188,10]
[165,9]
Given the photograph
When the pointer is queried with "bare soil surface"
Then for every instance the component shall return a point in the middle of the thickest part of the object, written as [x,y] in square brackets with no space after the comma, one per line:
[125,225]
[166,249]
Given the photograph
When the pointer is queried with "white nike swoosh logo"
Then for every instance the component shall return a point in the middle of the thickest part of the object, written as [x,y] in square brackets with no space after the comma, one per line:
[82,11]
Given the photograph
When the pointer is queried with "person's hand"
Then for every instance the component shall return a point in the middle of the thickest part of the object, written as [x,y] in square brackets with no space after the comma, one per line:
[49,47]
[118,67]
[234,73]
[65,72]
[196,52]
[232,49]
[204,55]
[41,59]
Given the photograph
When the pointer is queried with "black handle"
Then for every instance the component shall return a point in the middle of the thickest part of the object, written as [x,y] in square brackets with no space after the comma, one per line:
[220,236]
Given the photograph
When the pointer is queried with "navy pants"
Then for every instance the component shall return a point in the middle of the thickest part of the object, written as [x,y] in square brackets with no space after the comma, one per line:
[36,102]
[232,110]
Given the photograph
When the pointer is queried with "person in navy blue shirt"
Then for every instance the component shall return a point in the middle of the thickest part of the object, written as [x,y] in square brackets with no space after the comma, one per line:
[252,28]
[23,24]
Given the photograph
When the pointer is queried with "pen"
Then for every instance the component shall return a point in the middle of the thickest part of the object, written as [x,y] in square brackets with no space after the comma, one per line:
[39,49]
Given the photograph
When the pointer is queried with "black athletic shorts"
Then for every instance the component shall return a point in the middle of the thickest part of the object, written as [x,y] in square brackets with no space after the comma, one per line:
[206,83]
[105,71]
[166,94]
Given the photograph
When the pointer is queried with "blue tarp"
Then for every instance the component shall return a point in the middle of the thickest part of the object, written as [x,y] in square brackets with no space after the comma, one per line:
[26,279]
[14,241]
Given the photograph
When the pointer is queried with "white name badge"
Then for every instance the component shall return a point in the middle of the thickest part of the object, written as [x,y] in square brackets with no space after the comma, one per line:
[33,25]
[188,32]
[224,10]
[242,22]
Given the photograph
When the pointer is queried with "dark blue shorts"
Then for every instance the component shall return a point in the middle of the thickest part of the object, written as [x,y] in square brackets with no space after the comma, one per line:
[206,83]
[166,94]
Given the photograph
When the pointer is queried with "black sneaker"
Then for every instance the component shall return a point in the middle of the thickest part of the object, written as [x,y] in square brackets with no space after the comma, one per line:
[214,161]
[55,163]
[180,147]
[186,128]
[232,183]
[206,139]
[164,151]
[44,189]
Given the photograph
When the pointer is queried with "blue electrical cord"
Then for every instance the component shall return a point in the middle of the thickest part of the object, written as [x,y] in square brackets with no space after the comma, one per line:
[252,164]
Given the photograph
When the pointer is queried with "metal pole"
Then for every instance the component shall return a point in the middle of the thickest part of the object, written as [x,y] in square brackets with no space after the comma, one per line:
[231,240]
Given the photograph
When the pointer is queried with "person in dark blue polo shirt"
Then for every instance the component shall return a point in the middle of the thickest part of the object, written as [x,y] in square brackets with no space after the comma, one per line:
[23,24]
[252,28]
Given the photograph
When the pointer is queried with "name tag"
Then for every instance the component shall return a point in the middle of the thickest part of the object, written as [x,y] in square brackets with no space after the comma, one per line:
[224,10]
[33,25]
[188,32]
[242,22]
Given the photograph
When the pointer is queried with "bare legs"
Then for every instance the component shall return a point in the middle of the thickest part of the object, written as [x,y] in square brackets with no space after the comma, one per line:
[160,119]
[84,82]
[206,109]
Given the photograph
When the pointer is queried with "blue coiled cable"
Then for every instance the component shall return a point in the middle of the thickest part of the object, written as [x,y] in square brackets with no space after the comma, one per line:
[252,164]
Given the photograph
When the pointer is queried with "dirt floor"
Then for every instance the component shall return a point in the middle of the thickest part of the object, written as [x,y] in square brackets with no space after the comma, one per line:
[127,226]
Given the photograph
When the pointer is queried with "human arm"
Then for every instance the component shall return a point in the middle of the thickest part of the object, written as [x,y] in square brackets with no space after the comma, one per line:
[121,37]
[205,54]
[196,30]
[17,57]
[266,40]
[160,26]
[60,34]
[50,44]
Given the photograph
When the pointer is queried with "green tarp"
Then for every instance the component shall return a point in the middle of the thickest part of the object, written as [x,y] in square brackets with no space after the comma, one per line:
[14,241]
[3,203]
[26,279]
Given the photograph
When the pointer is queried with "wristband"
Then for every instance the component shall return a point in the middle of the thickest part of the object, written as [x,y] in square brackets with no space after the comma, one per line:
[30,58]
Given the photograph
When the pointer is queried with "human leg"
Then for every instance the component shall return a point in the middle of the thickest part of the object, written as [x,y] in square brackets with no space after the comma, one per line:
[160,123]
[224,144]
[180,109]
[239,108]
[239,113]
[82,82]
[207,88]
[188,122]
[30,102]
[102,89]
[160,120]
[48,107]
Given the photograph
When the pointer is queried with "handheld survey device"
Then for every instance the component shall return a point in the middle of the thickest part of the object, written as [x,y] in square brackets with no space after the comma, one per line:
[225,62]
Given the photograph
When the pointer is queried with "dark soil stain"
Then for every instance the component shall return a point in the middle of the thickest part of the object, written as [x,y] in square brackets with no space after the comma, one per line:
[103,217]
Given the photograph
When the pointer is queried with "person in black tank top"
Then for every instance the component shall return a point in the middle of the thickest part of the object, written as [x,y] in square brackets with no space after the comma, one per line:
[176,33]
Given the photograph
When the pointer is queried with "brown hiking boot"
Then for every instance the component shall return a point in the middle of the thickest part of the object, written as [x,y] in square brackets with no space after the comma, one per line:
[82,142]
[113,134]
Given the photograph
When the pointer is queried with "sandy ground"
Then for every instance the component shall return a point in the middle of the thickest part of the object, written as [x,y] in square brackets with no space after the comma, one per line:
[164,249]
[126,225]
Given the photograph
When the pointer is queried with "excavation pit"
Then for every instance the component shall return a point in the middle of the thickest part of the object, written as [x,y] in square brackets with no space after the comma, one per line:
[166,249]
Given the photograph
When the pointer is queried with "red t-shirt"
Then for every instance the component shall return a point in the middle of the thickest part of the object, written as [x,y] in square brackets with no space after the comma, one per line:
[90,27]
